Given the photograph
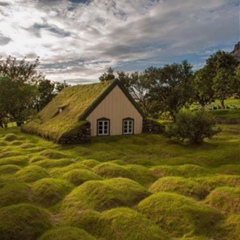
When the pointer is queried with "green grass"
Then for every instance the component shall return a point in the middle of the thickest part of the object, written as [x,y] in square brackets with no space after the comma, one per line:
[122,187]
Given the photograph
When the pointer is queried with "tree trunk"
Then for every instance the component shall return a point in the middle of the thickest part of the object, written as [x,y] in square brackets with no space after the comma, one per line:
[222,103]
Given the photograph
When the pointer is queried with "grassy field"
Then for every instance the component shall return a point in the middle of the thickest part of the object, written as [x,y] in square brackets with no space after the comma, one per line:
[141,187]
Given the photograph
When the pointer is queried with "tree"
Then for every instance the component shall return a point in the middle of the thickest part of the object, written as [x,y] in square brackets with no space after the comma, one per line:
[18,88]
[221,67]
[193,127]
[203,91]
[172,88]
[17,99]
[109,75]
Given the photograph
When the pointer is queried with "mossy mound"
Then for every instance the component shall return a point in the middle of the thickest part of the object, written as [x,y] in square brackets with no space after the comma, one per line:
[225,199]
[31,173]
[14,193]
[105,194]
[84,219]
[214,181]
[15,160]
[125,223]
[17,143]
[110,170]
[79,176]
[229,169]
[49,191]
[10,153]
[36,158]
[53,154]
[90,163]
[3,143]
[141,174]
[66,233]
[162,171]
[232,225]
[9,168]
[11,137]
[186,170]
[27,145]
[179,185]
[59,171]
[23,221]
[179,215]
[51,163]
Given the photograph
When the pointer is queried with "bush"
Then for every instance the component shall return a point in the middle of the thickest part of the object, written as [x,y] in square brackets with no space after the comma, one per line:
[193,127]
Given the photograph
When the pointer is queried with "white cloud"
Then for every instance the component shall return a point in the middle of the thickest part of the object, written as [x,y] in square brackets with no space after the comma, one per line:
[78,41]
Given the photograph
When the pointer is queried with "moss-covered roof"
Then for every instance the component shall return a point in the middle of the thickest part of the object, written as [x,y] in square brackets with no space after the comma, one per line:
[74,102]
[64,116]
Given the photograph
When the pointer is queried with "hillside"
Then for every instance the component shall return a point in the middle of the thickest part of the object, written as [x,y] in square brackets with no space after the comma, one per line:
[236,51]
[139,187]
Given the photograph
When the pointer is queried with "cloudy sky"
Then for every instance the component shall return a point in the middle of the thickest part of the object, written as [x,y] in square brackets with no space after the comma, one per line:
[77,40]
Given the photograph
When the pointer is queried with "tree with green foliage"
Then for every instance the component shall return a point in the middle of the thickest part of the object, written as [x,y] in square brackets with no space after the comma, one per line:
[202,83]
[171,88]
[18,88]
[221,68]
[109,75]
[193,127]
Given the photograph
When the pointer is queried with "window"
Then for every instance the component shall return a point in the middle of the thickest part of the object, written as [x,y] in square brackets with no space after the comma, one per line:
[103,127]
[128,126]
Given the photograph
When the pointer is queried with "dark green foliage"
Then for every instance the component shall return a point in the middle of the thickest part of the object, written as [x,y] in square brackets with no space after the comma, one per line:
[23,221]
[66,233]
[172,88]
[193,127]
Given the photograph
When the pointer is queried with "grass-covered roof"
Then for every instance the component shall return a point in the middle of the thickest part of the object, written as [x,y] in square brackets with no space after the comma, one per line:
[63,116]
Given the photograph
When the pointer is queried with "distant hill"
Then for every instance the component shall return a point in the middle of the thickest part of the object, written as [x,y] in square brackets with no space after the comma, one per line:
[236,51]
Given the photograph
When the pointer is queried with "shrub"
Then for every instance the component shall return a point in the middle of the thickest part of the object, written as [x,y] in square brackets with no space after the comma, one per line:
[193,127]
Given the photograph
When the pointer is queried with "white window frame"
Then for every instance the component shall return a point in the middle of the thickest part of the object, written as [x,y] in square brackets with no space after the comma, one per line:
[103,127]
[128,126]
